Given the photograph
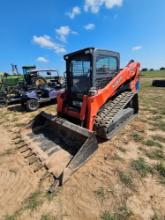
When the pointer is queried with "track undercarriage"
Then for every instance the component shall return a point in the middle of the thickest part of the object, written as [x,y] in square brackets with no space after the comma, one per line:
[115,114]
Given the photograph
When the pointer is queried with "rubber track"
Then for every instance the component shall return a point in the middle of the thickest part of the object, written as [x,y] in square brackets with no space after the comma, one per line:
[109,111]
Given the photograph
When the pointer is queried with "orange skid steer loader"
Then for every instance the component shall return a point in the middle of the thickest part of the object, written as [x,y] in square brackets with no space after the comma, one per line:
[99,99]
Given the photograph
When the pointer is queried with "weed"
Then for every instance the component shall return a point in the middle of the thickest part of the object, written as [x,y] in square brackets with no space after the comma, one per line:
[158,138]
[122,149]
[108,216]
[33,201]
[162,125]
[125,179]
[156,217]
[157,144]
[141,167]
[136,137]
[122,213]
[157,117]
[153,111]
[160,167]
[151,142]
[162,111]
[10,217]
[148,142]
[100,193]
[159,125]
[47,217]
[156,155]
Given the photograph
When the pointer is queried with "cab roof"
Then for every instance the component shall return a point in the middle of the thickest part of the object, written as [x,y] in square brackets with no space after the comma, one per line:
[91,50]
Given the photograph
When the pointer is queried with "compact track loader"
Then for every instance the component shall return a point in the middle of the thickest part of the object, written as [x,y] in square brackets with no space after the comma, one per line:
[99,99]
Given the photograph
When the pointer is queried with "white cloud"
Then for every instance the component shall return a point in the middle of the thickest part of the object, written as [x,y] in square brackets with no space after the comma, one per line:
[42,60]
[46,42]
[89,26]
[112,3]
[63,32]
[94,5]
[135,48]
[75,11]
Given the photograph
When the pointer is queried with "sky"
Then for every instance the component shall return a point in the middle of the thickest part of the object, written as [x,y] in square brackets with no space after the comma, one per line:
[40,32]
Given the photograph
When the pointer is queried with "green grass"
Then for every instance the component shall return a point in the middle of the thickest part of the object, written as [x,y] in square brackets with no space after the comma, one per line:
[148,142]
[100,193]
[153,74]
[160,167]
[33,201]
[156,217]
[10,217]
[126,179]
[108,216]
[156,117]
[151,143]
[51,196]
[47,216]
[141,167]
[123,213]
[156,155]
[136,137]
[158,138]
[122,149]
[159,125]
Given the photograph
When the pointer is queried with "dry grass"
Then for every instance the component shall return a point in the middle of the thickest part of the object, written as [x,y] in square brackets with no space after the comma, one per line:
[130,165]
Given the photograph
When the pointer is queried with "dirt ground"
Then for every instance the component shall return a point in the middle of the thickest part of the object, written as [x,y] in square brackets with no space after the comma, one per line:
[125,179]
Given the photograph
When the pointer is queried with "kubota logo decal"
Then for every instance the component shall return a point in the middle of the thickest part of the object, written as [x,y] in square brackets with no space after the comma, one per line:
[117,82]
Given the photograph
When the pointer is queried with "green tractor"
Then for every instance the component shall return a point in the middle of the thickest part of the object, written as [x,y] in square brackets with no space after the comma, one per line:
[3,91]
[10,84]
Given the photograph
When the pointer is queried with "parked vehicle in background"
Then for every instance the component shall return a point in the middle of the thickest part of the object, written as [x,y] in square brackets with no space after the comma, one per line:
[42,86]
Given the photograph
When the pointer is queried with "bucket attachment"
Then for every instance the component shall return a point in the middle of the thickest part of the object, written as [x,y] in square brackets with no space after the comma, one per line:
[61,146]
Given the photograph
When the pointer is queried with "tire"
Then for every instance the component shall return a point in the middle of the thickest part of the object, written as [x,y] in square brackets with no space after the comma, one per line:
[158,83]
[23,104]
[32,105]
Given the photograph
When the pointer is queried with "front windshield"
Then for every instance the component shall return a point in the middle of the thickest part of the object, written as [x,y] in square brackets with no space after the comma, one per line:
[80,69]
[48,74]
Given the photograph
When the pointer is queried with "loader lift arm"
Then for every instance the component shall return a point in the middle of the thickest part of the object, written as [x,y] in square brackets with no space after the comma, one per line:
[94,103]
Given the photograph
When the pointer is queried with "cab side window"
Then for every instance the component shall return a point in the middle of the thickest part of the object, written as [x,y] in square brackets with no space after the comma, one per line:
[105,65]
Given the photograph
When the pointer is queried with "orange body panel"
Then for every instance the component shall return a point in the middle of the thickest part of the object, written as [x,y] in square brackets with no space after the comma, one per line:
[92,104]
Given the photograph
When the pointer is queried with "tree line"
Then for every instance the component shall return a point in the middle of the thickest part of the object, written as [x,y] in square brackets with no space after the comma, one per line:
[146,69]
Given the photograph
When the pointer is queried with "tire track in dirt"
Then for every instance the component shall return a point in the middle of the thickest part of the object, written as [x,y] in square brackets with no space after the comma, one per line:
[81,189]
[17,179]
